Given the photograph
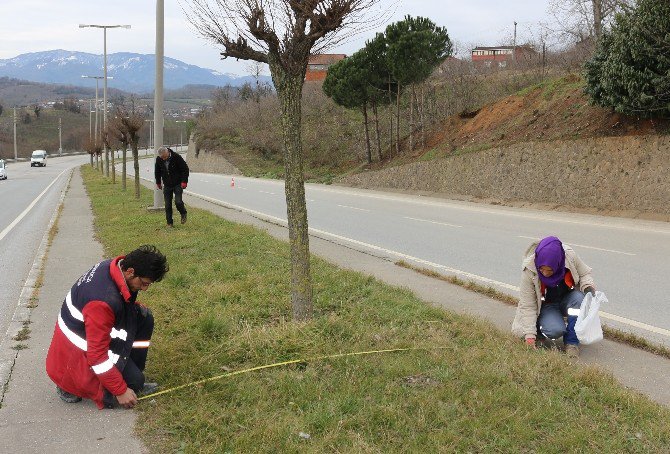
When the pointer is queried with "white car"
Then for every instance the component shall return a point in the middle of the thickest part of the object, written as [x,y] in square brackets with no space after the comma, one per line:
[3,170]
[38,158]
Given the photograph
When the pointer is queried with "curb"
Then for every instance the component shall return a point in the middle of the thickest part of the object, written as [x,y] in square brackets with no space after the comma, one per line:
[22,311]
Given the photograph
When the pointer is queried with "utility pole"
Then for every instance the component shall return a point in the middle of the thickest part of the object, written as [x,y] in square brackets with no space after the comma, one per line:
[60,137]
[159,203]
[181,133]
[514,44]
[90,127]
[104,89]
[16,153]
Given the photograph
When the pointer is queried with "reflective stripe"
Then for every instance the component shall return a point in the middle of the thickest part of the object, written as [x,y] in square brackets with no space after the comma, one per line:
[74,312]
[113,356]
[141,344]
[103,366]
[573,312]
[119,334]
[71,335]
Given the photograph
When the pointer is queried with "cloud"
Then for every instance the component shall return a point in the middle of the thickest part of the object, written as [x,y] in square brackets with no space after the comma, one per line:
[54,25]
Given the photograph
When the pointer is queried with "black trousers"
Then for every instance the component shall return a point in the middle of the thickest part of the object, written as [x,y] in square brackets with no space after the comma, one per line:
[168,193]
[133,371]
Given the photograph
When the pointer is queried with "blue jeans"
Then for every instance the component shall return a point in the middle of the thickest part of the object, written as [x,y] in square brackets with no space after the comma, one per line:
[550,323]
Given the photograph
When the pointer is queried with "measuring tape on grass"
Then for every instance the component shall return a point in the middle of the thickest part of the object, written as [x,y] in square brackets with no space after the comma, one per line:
[285,363]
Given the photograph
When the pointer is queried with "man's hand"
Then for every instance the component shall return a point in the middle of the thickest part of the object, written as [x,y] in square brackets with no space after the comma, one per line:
[127,399]
[183,185]
[159,186]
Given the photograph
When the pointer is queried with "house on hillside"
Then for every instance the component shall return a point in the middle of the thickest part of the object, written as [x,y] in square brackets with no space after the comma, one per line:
[318,65]
[502,56]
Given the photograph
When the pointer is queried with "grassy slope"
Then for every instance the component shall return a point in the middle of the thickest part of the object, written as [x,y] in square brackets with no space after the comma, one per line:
[224,305]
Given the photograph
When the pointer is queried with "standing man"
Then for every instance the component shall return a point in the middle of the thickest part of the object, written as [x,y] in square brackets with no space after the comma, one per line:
[173,171]
[101,340]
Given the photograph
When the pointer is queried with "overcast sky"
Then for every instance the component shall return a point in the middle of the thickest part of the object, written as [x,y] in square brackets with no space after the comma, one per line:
[38,25]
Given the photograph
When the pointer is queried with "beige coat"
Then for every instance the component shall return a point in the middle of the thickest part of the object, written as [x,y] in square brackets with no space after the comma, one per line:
[528,309]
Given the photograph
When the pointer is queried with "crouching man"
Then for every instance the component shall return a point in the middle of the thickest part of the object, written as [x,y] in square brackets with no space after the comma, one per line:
[101,340]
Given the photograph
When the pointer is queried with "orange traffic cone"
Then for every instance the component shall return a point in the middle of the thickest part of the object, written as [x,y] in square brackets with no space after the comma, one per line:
[232,183]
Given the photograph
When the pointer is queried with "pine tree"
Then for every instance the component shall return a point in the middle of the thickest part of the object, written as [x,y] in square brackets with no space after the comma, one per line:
[630,70]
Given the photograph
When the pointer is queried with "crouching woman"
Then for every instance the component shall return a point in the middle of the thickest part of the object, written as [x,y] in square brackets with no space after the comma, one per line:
[553,283]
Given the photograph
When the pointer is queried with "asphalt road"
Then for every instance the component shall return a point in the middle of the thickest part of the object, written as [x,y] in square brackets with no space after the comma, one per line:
[475,241]
[28,199]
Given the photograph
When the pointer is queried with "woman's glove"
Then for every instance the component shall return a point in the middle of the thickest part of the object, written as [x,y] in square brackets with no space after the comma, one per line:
[590,290]
[183,185]
[530,341]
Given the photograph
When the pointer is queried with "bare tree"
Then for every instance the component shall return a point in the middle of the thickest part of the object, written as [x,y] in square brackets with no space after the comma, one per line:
[131,122]
[578,20]
[121,133]
[283,34]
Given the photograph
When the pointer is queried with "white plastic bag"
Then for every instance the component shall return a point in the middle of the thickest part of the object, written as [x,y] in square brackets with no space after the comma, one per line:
[588,328]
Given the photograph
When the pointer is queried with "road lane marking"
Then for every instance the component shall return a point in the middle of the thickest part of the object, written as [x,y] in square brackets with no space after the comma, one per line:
[283,222]
[584,246]
[30,207]
[266,192]
[548,217]
[353,208]
[433,222]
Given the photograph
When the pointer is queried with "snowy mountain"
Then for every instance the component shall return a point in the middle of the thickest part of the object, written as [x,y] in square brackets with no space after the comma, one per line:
[131,72]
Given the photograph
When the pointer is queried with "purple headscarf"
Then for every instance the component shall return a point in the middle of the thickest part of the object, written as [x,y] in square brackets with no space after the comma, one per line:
[550,253]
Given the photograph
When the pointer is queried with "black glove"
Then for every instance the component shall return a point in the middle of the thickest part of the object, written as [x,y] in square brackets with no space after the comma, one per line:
[590,290]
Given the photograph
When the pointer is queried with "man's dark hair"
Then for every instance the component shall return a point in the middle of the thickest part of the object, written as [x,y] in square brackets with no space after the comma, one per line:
[147,261]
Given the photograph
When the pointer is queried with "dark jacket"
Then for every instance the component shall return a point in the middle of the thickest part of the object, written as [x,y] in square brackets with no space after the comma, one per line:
[94,334]
[175,173]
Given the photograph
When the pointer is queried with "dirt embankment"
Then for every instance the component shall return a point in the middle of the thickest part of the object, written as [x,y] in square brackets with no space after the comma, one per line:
[624,176]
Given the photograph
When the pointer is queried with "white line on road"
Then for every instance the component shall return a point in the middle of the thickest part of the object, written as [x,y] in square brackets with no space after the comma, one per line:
[584,246]
[353,208]
[283,222]
[511,212]
[30,207]
[433,222]
[266,192]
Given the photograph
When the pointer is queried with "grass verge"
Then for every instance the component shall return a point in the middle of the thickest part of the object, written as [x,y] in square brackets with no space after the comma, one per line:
[608,332]
[224,306]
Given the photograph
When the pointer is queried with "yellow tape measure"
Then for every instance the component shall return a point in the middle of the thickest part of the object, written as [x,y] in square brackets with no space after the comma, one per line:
[286,363]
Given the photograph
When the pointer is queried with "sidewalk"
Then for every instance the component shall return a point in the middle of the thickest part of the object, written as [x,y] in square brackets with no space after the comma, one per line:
[32,418]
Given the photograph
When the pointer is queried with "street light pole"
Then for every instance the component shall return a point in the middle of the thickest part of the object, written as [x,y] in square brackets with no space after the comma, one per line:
[181,132]
[104,89]
[159,203]
[60,137]
[16,153]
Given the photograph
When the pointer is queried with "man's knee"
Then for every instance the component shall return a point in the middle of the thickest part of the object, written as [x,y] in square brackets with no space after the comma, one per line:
[552,330]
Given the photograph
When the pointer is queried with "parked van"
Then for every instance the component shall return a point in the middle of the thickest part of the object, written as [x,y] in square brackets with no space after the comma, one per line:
[39,158]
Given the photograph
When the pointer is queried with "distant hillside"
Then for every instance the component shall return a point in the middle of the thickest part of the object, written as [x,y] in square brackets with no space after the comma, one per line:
[22,92]
[131,72]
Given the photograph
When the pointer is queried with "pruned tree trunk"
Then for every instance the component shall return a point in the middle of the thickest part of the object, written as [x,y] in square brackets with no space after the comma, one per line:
[123,168]
[136,168]
[106,162]
[378,137]
[113,170]
[411,118]
[368,151]
[397,122]
[289,91]
[423,118]
[91,159]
